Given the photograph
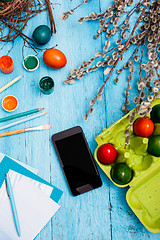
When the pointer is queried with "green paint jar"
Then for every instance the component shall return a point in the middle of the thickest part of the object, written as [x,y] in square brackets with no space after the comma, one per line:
[30,63]
[46,85]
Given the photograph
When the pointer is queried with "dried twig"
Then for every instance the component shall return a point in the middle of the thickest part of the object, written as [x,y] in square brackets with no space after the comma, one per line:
[15,15]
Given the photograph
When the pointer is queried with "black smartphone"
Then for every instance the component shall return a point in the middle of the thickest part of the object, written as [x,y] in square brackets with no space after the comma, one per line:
[76,160]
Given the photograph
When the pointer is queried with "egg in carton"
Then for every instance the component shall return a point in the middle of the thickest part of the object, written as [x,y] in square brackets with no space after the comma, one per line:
[143,196]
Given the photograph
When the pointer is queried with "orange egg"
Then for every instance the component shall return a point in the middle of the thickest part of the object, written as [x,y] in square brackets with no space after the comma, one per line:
[54,58]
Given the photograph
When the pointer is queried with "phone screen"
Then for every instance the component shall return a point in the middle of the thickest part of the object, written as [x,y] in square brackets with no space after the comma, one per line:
[78,163]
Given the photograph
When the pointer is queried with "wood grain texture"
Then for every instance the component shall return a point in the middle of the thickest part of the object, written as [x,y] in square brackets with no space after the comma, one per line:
[102,214]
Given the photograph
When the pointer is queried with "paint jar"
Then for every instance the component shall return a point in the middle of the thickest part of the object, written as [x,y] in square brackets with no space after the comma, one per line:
[6,64]
[46,85]
[31,63]
[10,103]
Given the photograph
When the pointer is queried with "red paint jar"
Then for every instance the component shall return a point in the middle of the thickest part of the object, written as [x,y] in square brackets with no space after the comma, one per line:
[6,64]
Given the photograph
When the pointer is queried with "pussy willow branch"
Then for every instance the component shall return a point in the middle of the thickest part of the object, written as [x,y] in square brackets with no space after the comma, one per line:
[140,70]
[130,13]
[134,113]
[115,64]
[135,51]
[133,54]
[66,14]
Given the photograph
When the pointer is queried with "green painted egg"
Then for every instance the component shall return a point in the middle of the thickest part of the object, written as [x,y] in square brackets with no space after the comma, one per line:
[155,114]
[42,35]
[121,173]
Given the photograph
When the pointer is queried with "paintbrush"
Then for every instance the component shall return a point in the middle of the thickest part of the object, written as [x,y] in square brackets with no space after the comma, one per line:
[38,128]
[9,84]
[22,121]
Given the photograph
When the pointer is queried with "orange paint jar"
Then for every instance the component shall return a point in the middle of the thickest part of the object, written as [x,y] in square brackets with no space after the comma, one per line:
[10,103]
[6,64]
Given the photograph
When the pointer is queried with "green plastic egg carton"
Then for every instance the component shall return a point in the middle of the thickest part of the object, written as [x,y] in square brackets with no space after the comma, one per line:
[143,196]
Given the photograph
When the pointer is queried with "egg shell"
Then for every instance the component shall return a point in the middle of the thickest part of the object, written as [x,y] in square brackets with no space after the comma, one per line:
[54,58]
[42,35]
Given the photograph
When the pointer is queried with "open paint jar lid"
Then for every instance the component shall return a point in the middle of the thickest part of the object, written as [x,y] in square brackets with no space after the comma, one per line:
[31,63]
[10,103]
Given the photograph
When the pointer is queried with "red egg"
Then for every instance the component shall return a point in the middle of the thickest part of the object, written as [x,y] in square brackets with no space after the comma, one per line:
[54,58]
[143,127]
[107,154]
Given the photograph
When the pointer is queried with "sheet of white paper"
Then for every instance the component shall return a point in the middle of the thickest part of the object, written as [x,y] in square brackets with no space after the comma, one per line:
[34,170]
[34,207]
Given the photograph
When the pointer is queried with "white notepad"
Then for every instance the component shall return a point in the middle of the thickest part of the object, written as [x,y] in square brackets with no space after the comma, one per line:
[34,207]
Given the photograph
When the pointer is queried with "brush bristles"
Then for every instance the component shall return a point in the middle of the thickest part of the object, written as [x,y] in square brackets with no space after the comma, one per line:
[47,126]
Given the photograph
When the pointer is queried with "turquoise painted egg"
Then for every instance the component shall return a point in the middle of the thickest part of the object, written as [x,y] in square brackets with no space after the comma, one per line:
[41,35]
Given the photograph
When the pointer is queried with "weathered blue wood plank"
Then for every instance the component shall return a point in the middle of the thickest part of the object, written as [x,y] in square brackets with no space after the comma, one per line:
[102,214]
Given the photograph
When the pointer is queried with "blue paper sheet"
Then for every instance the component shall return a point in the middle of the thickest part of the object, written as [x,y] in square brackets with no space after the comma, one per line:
[8,163]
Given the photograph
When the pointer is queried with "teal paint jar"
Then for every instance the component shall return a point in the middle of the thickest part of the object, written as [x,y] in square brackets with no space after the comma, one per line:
[46,85]
[31,63]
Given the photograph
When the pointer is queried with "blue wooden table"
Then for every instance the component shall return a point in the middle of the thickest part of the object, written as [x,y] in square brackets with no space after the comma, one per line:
[102,214]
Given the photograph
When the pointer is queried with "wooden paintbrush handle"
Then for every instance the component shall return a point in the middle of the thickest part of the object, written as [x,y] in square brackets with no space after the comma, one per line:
[12,132]
[10,83]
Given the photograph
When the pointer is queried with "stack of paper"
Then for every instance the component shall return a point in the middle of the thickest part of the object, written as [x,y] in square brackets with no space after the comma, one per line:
[36,200]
